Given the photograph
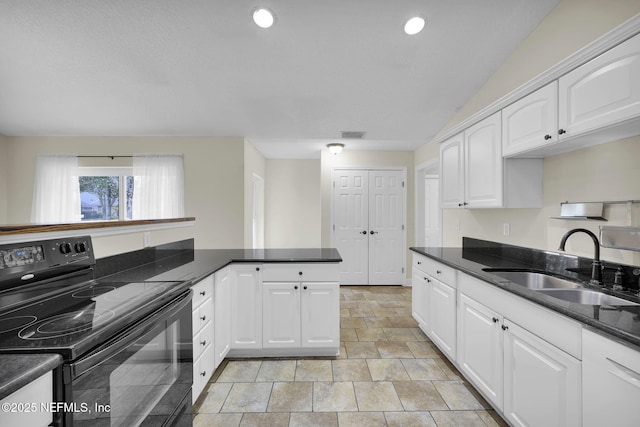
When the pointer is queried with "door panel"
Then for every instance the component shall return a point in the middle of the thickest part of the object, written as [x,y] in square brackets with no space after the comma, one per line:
[386,209]
[281,315]
[351,200]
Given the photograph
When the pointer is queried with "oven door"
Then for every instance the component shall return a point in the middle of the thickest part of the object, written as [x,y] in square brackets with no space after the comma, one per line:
[143,376]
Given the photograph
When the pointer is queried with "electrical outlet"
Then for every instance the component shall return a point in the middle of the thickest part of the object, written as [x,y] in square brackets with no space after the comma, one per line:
[506,229]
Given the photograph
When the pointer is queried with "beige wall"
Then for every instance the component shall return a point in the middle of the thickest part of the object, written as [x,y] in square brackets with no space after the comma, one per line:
[3,179]
[214,188]
[380,159]
[292,194]
[595,174]
[254,163]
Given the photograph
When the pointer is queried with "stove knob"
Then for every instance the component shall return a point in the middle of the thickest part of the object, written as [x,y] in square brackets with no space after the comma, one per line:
[65,248]
[81,247]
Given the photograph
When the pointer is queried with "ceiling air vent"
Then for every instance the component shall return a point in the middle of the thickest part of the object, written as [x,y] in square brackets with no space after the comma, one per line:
[352,134]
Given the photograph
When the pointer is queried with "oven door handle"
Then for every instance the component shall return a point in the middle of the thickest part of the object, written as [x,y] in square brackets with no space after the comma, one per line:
[121,342]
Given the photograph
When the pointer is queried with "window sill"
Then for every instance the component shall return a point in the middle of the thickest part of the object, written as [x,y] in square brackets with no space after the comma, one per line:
[26,232]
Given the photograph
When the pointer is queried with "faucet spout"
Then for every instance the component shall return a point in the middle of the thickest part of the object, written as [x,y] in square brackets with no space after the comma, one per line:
[596,271]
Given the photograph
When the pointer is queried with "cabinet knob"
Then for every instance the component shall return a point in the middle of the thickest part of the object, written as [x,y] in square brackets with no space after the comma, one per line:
[419,262]
[428,280]
[363,232]
[304,287]
[203,343]
[257,268]
[547,137]
[295,287]
[203,318]
[203,373]
[203,293]
[438,272]
[561,131]
[373,232]
[504,327]
[299,273]
[495,320]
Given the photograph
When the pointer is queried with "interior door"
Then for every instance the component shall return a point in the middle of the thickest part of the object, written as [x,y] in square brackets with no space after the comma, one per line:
[386,228]
[368,208]
[351,225]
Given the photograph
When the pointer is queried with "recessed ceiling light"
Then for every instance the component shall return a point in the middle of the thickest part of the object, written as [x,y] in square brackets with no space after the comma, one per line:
[414,25]
[263,17]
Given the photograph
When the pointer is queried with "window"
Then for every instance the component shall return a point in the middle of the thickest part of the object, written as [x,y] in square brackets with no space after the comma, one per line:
[106,193]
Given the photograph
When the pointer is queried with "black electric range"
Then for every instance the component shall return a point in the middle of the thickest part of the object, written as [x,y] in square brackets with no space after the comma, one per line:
[115,337]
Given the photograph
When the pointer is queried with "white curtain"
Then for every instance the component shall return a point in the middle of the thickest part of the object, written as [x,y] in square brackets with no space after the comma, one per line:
[56,193]
[158,186]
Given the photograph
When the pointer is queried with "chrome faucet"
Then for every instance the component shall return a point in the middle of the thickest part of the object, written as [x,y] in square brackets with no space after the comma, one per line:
[596,270]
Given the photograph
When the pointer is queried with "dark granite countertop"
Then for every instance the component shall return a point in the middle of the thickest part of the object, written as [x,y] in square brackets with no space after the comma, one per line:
[621,322]
[19,370]
[195,265]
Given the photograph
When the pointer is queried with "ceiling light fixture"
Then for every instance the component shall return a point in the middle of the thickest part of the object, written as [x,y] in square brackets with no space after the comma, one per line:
[263,17]
[414,25]
[335,148]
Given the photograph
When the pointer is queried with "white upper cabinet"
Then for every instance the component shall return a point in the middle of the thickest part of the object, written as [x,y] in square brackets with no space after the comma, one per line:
[531,122]
[602,92]
[473,173]
[483,164]
[452,172]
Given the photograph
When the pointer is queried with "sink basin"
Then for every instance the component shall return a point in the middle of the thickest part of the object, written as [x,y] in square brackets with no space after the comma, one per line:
[533,280]
[586,296]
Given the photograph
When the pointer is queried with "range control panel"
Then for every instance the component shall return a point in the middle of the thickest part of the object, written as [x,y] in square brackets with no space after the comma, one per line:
[30,258]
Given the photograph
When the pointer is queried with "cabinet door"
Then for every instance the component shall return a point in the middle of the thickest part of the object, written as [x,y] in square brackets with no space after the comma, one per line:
[452,172]
[610,382]
[281,315]
[531,122]
[246,307]
[420,299]
[222,315]
[320,314]
[442,316]
[542,383]
[604,91]
[483,164]
[480,348]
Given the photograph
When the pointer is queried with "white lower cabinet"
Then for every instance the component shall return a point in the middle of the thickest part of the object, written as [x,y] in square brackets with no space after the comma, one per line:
[246,307]
[530,381]
[480,346]
[420,298]
[542,384]
[301,315]
[281,315]
[434,302]
[611,382]
[222,316]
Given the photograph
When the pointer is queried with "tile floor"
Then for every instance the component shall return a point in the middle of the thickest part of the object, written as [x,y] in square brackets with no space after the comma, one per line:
[388,374]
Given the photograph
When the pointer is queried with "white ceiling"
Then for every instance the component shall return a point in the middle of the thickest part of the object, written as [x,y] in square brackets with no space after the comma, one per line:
[202,68]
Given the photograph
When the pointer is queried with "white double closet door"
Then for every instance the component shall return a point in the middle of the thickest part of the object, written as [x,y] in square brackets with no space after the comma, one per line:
[368,230]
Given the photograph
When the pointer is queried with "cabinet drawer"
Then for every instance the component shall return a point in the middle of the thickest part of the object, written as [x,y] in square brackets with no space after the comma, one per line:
[435,269]
[202,290]
[202,371]
[202,340]
[202,315]
[316,272]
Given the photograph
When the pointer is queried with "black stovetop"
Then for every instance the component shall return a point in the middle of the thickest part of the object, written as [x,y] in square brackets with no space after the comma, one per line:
[71,318]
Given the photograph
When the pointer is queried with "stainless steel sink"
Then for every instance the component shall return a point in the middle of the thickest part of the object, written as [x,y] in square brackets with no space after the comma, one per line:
[534,280]
[586,296]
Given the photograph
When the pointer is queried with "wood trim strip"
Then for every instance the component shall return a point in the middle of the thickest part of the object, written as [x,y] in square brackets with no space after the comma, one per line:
[7,230]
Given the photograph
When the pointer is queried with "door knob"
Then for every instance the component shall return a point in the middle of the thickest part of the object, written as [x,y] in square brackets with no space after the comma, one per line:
[373,232]
[547,137]
[363,232]
[561,132]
